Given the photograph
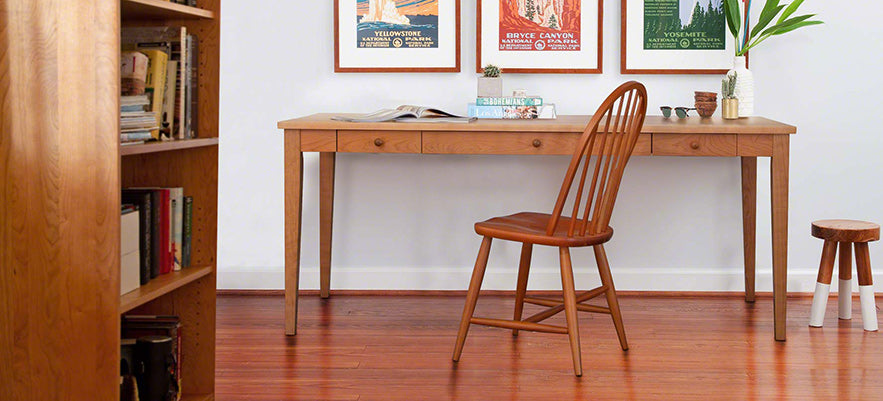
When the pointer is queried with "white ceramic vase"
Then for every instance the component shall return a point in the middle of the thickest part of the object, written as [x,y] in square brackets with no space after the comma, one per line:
[744,87]
[490,86]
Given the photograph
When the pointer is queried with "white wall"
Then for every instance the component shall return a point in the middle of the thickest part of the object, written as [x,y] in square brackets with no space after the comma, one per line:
[405,221]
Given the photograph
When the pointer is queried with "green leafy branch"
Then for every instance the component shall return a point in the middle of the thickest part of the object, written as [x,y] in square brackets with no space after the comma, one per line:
[763,30]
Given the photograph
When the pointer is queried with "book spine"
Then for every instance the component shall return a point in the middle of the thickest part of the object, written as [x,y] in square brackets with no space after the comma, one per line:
[503,112]
[193,91]
[188,228]
[155,235]
[165,240]
[146,252]
[156,83]
[509,101]
[140,136]
[177,226]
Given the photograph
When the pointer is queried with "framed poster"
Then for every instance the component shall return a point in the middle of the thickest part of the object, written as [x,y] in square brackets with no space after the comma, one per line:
[540,36]
[396,35]
[675,37]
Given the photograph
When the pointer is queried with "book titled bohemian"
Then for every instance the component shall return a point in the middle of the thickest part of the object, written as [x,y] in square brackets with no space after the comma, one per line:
[405,113]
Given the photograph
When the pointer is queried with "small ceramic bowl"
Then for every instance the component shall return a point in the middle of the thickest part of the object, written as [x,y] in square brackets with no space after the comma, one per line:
[706,109]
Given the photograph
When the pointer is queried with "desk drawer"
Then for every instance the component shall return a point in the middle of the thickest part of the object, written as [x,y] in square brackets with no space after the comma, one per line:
[500,143]
[694,145]
[512,143]
[379,141]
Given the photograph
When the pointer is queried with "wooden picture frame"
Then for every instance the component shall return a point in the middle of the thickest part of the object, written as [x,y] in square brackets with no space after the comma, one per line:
[579,43]
[392,48]
[674,55]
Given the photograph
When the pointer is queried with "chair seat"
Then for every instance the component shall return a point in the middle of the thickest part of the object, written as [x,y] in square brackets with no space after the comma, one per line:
[846,230]
[531,227]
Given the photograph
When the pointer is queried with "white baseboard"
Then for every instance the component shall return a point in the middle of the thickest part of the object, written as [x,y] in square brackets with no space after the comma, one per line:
[628,279]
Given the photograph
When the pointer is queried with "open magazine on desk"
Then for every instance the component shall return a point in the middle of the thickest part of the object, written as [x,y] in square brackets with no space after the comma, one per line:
[406,113]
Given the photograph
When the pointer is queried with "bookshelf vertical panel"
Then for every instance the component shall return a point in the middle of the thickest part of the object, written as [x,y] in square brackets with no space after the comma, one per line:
[59,206]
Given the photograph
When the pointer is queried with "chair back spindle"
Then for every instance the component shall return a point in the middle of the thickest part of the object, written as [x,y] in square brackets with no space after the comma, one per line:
[604,150]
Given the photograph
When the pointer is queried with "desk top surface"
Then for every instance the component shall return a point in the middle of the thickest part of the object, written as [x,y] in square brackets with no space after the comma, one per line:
[565,123]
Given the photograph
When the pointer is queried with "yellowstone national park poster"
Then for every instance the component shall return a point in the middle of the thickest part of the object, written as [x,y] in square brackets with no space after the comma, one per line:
[539,25]
[397,24]
[396,36]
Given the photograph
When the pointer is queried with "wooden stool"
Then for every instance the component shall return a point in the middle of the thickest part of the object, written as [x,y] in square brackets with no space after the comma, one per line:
[845,232]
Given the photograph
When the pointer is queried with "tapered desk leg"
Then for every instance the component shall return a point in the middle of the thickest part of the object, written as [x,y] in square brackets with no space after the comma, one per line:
[326,214]
[294,177]
[749,222]
[779,191]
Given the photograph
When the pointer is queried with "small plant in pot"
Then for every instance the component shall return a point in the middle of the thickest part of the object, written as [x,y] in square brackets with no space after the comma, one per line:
[728,92]
[490,84]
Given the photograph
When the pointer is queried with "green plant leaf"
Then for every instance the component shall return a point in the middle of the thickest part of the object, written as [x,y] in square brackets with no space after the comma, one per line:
[790,10]
[798,25]
[766,16]
[734,21]
[774,30]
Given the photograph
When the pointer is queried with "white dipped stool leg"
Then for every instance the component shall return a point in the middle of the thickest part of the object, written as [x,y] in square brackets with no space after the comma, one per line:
[844,298]
[869,308]
[865,286]
[819,302]
[823,284]
[844,292]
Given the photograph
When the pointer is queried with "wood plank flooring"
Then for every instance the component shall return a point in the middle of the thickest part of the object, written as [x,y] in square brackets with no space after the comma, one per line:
[399,348]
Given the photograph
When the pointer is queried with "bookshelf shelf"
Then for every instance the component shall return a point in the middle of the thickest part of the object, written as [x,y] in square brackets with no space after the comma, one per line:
[162,285]
[154,147]
[159,9]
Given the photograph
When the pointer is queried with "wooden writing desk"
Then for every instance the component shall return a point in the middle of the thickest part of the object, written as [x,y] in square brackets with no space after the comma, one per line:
[747,138]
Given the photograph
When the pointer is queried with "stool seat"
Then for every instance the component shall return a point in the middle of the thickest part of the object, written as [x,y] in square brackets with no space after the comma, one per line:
[846,230]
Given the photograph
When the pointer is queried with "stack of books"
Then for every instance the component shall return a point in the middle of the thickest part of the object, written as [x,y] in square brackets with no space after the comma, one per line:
[171,78]
[136,122]
[511,107]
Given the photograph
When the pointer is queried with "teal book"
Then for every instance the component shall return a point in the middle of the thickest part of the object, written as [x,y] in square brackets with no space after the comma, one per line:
[509,101]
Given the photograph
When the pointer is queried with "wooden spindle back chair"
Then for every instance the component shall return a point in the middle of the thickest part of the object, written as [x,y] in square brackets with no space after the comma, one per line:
[589,192]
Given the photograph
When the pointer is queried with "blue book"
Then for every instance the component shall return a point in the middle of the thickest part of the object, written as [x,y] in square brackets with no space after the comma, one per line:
[512,112]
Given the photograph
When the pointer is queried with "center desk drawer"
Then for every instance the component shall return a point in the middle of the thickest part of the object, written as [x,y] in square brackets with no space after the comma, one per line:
[694,145]
[511,143]
[378,141]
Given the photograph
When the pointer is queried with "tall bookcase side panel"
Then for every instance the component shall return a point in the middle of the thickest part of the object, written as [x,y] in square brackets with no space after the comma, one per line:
[59,200]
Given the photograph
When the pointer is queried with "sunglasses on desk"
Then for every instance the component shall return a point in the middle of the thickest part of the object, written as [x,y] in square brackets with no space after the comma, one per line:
[681,112]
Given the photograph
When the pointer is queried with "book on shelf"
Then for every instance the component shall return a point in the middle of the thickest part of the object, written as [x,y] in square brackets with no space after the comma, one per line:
[509,101]
[544,112]
[176,197]
[167,120]
[166,225]
[188,231]
[130,258]
[405,113]
[144,200]
[156,84]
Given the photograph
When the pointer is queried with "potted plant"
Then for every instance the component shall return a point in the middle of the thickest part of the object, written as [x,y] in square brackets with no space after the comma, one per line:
[490,84]
[775,19]
[729,102]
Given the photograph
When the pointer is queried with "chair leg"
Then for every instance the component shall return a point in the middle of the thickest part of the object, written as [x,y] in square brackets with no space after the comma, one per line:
[521,289]
[844,290]
[865,286]
[570,310]
[612,302]
[472,295]
[823,284]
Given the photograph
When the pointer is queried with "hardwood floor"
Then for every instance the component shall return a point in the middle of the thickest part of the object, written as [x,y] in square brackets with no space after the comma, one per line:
[399,348]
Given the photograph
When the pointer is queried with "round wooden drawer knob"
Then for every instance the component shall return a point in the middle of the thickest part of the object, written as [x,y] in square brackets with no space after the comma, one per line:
[695,145]
[378,142]
[537,143]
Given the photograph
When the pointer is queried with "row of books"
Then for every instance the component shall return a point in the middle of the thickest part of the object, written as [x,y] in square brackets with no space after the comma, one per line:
[150,357]
[164,231]
[510,107]
[160,64]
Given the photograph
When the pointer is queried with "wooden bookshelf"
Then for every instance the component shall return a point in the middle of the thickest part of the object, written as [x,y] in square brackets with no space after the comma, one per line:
[162,10]
[61,171]
[153,147]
